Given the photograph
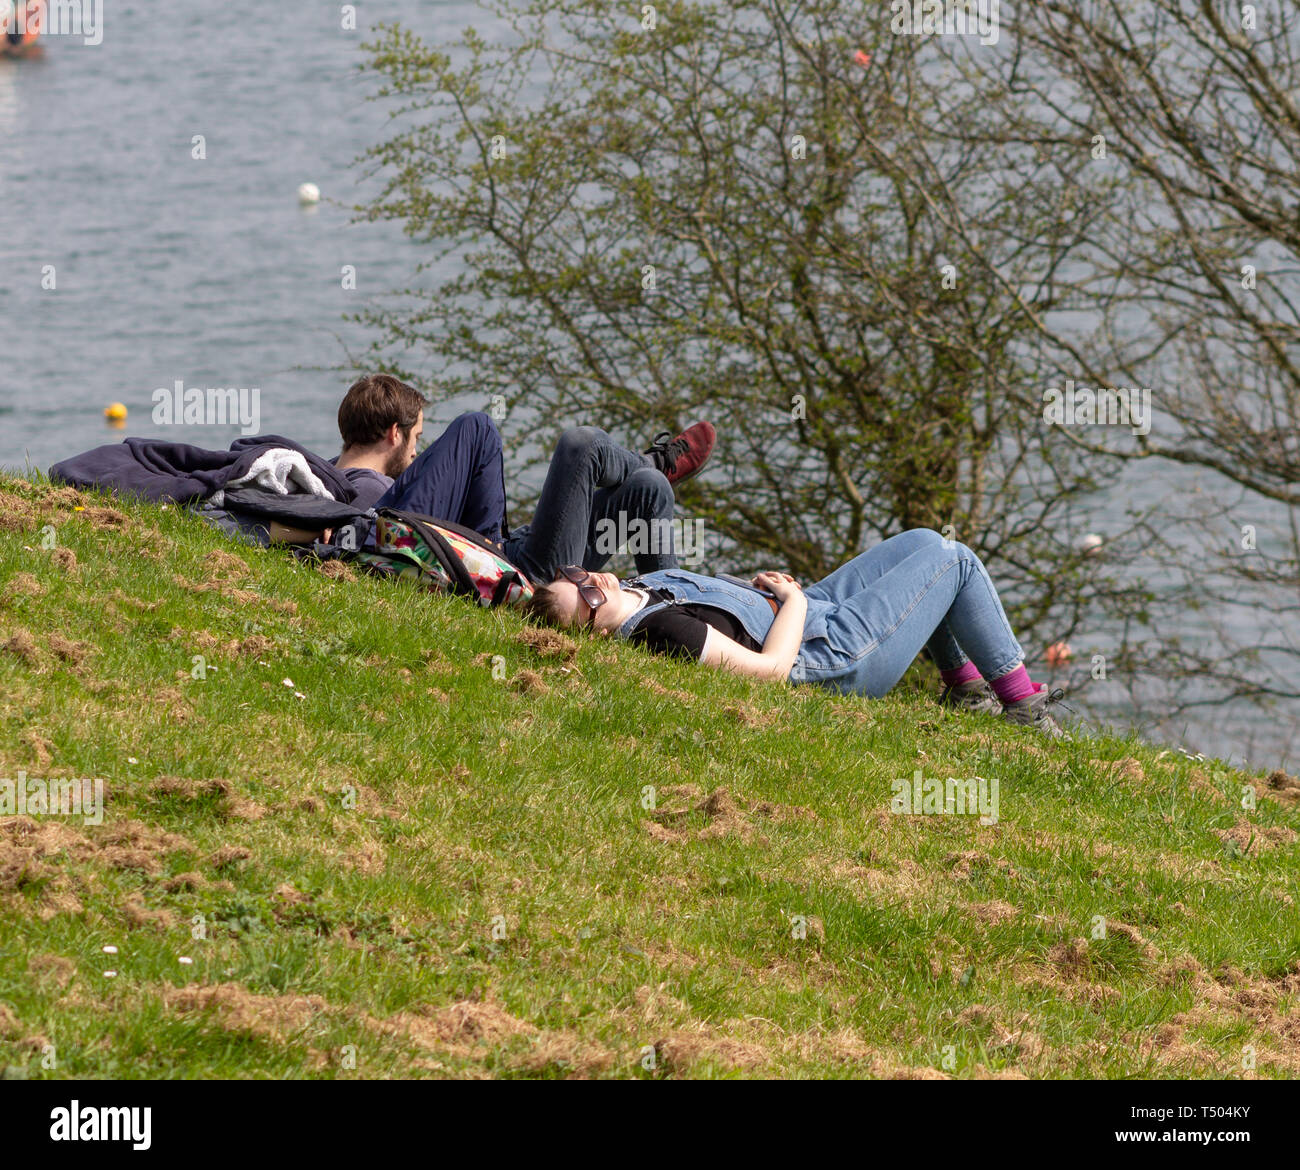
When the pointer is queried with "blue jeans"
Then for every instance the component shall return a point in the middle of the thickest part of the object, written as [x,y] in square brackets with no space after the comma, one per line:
[592,483]
[869,619]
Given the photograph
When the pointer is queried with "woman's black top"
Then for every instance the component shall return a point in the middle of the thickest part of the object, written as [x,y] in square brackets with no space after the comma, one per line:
[681,629]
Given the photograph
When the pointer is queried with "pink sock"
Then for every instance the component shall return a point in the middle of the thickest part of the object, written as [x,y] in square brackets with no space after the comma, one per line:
[1013,687]
[966,672]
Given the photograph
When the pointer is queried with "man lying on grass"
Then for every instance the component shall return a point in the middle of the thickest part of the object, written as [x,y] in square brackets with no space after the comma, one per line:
[460,477]
[856,631]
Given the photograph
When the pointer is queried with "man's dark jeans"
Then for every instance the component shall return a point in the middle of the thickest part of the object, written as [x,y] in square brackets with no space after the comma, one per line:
[458,477]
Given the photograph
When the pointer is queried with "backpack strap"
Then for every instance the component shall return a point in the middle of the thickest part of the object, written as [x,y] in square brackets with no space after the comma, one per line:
[516,574]
[502,591]
[628,628]
[461,582]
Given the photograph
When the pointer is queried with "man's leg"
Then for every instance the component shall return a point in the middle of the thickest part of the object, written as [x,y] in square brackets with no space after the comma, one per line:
[460,477]
[586,460]
[640,511]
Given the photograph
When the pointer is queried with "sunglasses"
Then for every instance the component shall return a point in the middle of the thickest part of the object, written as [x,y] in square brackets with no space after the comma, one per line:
[593,595]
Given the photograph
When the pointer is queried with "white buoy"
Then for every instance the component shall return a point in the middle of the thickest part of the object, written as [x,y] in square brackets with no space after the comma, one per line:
[308,194]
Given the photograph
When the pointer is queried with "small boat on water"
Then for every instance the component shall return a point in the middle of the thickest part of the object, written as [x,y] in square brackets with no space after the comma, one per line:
[21,23]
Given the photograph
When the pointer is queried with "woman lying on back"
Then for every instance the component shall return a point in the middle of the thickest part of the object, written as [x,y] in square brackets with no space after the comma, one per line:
[855,631]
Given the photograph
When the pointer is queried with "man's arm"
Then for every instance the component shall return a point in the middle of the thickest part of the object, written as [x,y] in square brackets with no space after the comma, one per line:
[283,534]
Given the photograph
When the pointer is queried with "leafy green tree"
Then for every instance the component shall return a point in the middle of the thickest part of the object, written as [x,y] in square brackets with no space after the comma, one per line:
[775,215]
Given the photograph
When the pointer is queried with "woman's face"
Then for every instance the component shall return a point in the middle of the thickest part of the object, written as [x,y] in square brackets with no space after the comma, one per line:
[573,611]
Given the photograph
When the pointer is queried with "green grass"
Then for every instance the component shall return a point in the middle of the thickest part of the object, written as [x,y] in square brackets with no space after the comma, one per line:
[439,863]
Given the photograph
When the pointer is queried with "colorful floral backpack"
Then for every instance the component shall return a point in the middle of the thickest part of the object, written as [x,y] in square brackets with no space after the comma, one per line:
[443,557]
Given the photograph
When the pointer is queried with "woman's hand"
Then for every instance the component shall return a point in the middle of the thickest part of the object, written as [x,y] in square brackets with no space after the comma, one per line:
[780,647]
[780,585]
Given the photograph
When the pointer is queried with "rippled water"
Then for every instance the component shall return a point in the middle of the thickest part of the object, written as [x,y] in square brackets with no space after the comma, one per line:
[168,267]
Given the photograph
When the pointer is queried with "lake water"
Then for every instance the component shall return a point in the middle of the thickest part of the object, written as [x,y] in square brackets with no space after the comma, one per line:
[168,267]
[207,271]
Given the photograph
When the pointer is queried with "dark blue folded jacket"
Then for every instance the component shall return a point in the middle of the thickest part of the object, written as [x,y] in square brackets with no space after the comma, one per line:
[154,469]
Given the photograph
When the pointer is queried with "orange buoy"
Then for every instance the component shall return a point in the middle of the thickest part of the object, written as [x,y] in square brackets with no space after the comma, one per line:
[23,21]
[1058,654]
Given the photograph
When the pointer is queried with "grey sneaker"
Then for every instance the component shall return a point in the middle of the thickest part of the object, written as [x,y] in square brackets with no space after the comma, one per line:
[1033,712]
[971,696]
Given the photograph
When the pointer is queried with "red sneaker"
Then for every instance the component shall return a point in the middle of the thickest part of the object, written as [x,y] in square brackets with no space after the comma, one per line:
[684,457]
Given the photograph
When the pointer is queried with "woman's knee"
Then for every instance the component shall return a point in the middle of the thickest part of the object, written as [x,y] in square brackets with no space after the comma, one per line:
[914,540]
[929,538]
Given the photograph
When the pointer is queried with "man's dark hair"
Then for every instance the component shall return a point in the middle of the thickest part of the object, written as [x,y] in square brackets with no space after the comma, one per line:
[372,405]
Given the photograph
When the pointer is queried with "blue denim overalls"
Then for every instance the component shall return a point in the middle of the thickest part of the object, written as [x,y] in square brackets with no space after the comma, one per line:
[817,661]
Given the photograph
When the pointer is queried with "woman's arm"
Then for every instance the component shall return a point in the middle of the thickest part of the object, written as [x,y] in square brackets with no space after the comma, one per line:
[781,646]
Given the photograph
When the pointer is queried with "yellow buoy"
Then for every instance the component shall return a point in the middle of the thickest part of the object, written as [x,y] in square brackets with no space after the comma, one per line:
[115,412]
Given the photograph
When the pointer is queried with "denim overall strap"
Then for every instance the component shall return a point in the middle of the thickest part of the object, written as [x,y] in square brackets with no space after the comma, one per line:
[747,606]
[626,629]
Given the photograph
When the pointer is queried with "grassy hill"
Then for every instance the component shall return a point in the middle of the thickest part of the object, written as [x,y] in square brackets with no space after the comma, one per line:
[394,835]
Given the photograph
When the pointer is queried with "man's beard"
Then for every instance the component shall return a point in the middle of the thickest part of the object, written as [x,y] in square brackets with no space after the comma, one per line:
[396,463]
